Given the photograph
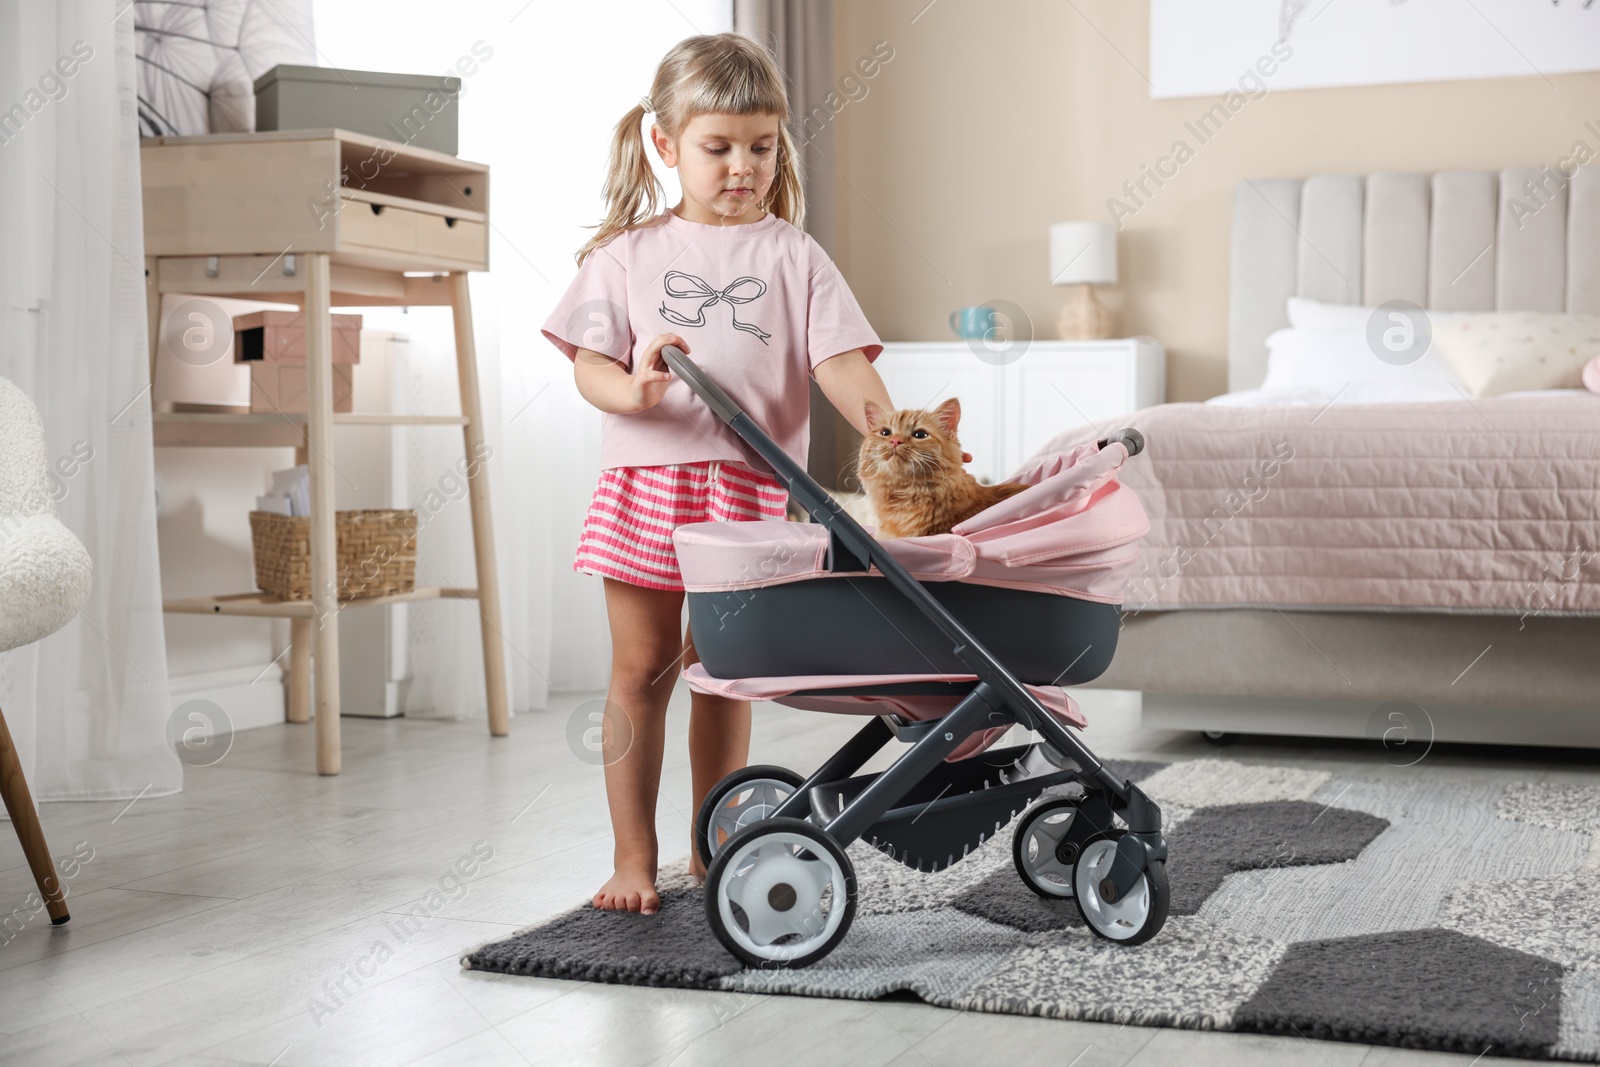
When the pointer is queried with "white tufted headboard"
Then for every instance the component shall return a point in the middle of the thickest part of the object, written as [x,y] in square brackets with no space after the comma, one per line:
[1461,240]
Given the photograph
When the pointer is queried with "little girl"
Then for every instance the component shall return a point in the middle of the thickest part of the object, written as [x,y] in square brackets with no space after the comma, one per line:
[728,276]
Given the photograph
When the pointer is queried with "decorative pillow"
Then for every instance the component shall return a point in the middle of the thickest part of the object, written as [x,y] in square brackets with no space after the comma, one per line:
[1591,375]
[1510,351]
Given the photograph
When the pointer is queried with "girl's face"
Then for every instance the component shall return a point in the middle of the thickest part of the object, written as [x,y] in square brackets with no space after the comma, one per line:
[726,165]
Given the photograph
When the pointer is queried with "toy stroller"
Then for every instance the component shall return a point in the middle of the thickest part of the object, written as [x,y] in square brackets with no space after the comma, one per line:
[1022,598]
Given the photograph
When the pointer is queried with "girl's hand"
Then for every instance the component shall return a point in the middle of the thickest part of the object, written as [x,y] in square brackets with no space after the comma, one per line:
[650,376]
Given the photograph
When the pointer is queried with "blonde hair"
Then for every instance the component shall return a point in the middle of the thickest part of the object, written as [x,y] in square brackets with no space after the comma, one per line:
[724,74]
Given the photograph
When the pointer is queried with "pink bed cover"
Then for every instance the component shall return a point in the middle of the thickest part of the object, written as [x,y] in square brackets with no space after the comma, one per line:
[1479,506]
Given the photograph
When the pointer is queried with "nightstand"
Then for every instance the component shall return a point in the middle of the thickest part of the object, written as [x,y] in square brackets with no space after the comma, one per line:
[1012,406]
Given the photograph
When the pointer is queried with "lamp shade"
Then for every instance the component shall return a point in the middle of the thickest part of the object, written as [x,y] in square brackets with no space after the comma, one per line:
[1083,252]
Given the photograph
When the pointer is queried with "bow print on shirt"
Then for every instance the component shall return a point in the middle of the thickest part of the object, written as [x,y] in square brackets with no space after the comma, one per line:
[696,288]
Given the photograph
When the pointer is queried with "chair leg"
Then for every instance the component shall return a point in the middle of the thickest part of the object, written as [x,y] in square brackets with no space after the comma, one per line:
[19,805]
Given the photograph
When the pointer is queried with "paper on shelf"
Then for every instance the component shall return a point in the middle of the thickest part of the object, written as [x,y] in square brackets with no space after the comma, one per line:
[293,485]
[278,505]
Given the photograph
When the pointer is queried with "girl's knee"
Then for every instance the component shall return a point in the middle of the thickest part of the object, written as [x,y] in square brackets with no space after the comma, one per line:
[645,672]
[718,704]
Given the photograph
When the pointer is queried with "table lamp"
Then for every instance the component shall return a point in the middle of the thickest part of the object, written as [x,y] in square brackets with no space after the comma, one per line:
[1083,254]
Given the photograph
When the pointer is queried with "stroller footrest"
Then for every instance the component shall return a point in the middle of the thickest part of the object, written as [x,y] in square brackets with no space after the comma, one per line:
[950,812]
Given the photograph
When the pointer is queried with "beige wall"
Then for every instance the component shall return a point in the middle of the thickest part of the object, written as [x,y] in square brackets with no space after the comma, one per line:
[995,119]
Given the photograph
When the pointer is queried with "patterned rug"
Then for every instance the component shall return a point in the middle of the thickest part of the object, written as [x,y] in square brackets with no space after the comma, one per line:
[1423,914]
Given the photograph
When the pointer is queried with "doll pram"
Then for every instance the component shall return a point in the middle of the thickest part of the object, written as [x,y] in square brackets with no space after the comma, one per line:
[1022,600]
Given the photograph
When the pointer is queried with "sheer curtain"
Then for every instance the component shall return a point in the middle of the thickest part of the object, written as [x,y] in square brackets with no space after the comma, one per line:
[539,110]
[88,706]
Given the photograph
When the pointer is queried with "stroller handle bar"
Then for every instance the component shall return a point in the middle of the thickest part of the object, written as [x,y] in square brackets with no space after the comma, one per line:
[848,538]
[718,401]
[1128,438]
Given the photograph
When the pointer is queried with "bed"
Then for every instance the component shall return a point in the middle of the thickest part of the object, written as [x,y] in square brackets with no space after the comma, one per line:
[1416,571]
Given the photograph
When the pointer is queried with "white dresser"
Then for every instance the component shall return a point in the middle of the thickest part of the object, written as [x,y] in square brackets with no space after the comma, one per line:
[1011,406]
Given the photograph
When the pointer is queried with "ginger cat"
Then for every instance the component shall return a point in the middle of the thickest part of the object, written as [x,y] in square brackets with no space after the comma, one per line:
[910,464]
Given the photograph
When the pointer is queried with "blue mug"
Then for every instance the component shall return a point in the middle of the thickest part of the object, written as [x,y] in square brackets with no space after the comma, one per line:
[972,322]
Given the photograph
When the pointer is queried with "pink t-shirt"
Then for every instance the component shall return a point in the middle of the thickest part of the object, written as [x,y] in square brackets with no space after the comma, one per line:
[759,305]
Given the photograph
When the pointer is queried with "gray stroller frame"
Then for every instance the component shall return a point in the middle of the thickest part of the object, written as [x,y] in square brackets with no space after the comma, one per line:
[774,884]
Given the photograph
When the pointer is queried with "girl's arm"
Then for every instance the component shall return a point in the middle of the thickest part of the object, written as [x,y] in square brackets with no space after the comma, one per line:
[611,387]
[848,381]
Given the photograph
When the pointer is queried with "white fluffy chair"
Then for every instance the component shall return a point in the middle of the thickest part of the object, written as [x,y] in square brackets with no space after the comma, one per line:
[45,574]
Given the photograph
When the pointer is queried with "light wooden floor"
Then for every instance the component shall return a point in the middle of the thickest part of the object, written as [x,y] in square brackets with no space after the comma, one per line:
[254,918]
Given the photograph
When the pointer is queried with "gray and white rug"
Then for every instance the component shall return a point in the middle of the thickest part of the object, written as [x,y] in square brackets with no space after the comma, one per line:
[1422,914]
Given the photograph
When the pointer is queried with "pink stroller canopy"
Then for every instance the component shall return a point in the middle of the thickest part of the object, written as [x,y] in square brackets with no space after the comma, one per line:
[1074,532]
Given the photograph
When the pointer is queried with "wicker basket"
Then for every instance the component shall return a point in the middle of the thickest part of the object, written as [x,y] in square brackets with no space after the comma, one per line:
[376,554]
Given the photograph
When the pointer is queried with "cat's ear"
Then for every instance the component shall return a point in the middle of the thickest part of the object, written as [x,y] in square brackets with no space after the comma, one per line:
[948,414]
[874,417]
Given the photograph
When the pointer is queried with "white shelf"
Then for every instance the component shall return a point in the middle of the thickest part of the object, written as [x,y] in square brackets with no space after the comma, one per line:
[176,429]
[263,604]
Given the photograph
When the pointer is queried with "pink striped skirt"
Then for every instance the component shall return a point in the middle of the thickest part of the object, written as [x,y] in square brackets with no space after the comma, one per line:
[627,533]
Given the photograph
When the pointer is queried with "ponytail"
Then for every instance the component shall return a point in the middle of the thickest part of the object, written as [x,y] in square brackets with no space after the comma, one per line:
[787,199]
[632,191]
[722,73]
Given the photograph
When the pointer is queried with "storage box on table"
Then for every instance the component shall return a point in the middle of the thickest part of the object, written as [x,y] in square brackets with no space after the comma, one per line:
[413,109]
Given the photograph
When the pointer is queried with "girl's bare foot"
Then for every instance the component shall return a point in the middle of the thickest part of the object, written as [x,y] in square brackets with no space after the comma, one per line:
[697,870]
[631,888]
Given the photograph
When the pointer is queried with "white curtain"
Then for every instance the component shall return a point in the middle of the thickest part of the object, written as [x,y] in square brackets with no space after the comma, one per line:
[539,110]
[88,706]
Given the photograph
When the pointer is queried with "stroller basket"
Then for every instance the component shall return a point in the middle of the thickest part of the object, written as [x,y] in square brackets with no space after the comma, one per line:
[949,813]
[1021,599]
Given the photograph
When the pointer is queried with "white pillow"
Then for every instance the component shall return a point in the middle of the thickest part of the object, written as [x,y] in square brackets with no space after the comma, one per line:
[1511,351]
[1308,358]
[1315,315]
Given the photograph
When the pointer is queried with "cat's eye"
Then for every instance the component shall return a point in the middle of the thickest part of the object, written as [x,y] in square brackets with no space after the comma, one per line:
[919,433]
[884,432]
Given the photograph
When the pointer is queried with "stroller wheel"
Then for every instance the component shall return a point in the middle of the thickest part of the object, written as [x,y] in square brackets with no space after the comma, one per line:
[742,799]
[1139,915]
[780,893]
[1041,851]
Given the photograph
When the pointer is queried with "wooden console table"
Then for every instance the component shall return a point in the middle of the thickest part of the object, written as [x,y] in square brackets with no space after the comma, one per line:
[324,219]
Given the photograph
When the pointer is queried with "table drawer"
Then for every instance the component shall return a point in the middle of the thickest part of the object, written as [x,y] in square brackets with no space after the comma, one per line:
[392,229]
[463,239]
